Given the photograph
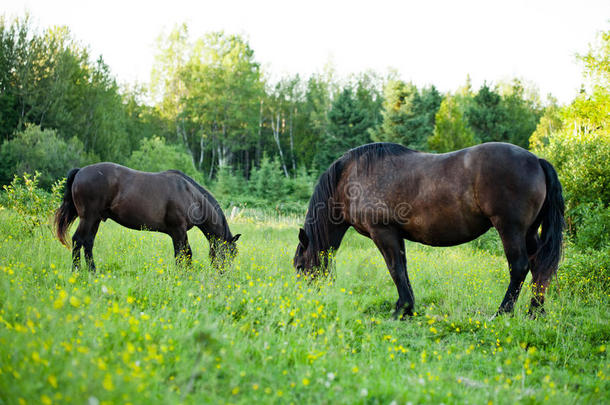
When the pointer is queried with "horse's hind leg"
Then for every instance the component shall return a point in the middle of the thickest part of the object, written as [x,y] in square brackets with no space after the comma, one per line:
[77,244]
[392,247]
[88,245]
[85,236]
[540,282]
[515,249]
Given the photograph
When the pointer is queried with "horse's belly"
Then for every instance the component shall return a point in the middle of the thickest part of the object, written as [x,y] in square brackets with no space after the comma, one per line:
[139,224]
[446,231]
[140,216]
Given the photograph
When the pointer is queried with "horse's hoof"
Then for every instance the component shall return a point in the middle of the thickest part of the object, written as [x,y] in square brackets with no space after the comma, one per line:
[534,313]
[406,314]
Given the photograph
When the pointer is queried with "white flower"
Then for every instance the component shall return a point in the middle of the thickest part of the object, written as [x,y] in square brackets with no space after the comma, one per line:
[364,392]
[330,376]
[105,291]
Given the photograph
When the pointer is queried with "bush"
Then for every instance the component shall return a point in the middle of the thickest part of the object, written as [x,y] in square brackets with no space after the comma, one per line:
[300,187]
[490,242]
[592,226]
[268,182]
[43,151]
[586,272]
[583,164]
[154,155]
[230,183]
[33,205]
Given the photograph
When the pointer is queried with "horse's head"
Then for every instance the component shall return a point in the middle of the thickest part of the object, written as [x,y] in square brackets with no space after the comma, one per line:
[222,253]
[307,261]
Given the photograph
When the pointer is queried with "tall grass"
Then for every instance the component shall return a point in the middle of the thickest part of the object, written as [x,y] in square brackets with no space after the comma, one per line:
[142,330]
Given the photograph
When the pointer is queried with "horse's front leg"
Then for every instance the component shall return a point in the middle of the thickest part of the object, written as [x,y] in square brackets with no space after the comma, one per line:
[182,249]
[392,247]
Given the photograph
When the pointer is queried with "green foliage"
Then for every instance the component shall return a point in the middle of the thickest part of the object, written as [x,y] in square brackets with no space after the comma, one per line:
[593,227]
[155,155]
[211,93]
[521,113]
[408,115]
[230,182]
[300,187]
[451,131]
[349,125]
[489,242]
[586,272]
[485,115]
[33,206]
[549,123]
[50,80]
[579,149]
[43,151]
[583,164]
[508,117]
[597,61]
[268,181]
[314,127]
[267,189]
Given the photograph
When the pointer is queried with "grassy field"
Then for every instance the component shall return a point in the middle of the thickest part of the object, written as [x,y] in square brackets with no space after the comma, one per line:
[142,330]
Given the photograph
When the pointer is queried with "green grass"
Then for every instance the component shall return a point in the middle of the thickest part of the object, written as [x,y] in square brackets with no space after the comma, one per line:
[142,330]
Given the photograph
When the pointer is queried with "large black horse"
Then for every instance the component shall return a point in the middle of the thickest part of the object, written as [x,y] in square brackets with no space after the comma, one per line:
[170,202]
[390,193]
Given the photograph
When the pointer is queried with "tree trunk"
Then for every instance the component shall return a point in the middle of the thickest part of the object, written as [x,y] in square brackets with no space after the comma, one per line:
[201,153]
[276,135]
[212,164]
[294,163]
[259,145]
[247,164]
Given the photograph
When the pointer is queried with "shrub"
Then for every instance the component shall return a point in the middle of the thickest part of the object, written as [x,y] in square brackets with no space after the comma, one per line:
[268,182]
[490,242]
[586,272]
[593,226]
[154,155]
[230,183]
[38,150]
[300,187]
[32,205]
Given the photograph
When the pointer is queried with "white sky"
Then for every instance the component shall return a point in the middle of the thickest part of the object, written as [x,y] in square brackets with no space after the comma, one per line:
[428,42]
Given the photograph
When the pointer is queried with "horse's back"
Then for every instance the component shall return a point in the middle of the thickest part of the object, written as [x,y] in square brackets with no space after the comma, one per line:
[130,197]
[422,193]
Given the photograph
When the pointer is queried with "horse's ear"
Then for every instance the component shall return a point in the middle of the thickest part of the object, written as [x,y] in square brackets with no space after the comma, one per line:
[303,238]
[235,238]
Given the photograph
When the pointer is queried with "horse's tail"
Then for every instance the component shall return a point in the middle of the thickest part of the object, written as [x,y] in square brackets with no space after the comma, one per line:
[552,217]
[66,213]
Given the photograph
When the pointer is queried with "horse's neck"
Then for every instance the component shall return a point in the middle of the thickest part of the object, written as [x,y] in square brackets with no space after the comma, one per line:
[216,226]
[335,232]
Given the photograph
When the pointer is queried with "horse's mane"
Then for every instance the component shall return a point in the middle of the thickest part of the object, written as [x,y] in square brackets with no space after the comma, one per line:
[318,213]
[209,197]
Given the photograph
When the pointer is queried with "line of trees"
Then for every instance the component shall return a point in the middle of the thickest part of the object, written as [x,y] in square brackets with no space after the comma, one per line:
[213,102]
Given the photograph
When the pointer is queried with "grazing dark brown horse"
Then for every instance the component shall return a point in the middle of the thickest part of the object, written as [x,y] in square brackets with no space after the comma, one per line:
[170,202]
[390,193]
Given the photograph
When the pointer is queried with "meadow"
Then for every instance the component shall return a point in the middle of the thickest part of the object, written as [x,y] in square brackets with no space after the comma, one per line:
[143,330]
